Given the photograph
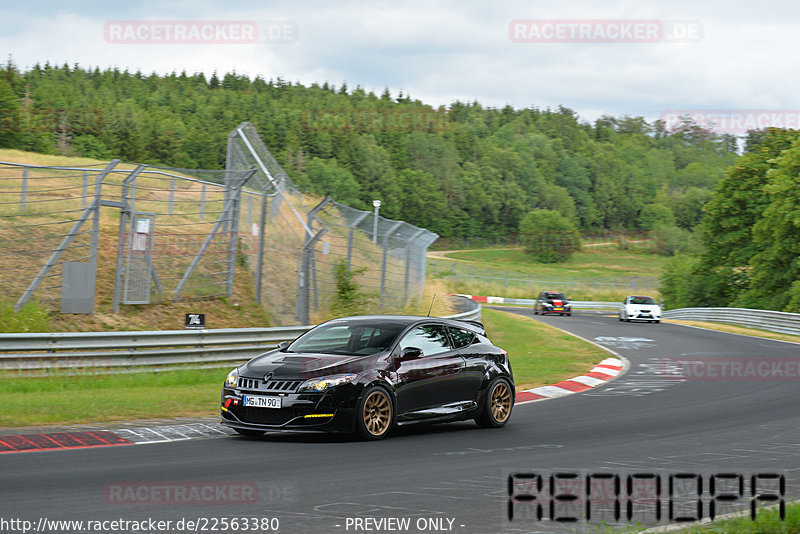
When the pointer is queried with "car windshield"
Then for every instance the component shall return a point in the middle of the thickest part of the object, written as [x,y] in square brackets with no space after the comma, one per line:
[556,296]
[642,300]
[348,338]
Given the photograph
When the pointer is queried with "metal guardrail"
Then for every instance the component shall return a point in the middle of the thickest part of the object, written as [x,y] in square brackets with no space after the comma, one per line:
[575,304]
[109,352]
[773,321]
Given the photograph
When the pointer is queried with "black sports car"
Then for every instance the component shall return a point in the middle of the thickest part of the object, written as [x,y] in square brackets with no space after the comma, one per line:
[552,302]
[368,374]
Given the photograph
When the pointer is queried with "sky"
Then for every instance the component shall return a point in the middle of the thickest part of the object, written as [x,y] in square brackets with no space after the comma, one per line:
[730,62]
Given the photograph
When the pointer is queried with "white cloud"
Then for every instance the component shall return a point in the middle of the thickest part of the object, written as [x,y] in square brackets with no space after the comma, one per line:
[447,50]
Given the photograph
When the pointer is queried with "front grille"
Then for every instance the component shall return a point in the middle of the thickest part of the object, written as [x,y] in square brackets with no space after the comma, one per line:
[266,416]
[276,417]
[283,385]
[272,385]
[248,383]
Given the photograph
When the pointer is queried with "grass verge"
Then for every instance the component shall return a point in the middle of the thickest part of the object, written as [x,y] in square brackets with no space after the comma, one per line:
[539,354]
[767,520]
[89,398]
[593,273]
[591,262]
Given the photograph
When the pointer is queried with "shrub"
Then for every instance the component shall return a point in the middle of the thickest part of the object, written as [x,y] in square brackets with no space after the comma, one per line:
[548,236]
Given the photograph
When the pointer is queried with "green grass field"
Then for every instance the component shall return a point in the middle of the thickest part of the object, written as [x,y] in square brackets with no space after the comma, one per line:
[88,398]
[589,262]
[767,521]
[539,355]
[594,273]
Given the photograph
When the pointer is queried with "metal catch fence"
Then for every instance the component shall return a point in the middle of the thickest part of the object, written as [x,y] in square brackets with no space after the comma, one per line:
[307,238]
[137,234]
[149,233]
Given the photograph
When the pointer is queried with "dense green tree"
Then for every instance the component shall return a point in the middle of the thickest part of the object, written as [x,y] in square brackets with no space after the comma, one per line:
[548,236]
[653,215]
[775,274]
[10,116]
[465,170]
[751,232]
[739,202]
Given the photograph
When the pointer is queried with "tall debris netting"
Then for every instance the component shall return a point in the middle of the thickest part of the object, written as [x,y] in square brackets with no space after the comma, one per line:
[138,234]
[306,238]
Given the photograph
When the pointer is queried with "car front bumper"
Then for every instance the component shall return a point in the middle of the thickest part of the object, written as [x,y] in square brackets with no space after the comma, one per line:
[330,411]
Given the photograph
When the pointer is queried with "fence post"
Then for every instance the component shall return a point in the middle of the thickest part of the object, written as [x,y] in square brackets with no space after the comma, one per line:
[203,202]
[85,189]
[236,206]
[98,197]
[407,274]
[303,296]
[171,194]
[24,192]
[260,260]
[123,215]
[384,258]
[312,264]
[351,237]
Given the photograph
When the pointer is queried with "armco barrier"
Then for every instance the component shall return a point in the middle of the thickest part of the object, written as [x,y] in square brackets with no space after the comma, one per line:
[576,304]
[117,351]
[773,321]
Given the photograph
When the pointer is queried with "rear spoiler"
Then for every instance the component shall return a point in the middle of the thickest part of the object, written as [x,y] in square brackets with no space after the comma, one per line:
[476,324]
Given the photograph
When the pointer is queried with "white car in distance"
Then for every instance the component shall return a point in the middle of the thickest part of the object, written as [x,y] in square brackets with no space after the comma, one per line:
[640,308]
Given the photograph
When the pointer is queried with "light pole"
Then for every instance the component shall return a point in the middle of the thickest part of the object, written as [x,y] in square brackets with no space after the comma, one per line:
[377,205]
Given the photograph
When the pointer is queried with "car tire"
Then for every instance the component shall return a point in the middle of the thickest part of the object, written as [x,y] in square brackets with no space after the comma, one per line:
[498,404]
[535,312]
[249,433]
[658,321]
[569,314]
[375,414]
[620,319]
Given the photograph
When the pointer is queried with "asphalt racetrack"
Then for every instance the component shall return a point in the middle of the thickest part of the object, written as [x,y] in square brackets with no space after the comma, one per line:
[693,404]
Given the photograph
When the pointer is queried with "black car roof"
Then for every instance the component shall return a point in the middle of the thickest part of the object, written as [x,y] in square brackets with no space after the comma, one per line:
[407,320]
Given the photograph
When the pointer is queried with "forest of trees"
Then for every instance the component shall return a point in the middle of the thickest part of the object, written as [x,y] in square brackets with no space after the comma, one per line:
[751,234]
[464,171]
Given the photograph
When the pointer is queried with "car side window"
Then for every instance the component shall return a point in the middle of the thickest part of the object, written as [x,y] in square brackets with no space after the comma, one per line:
[430,339]
[461,338]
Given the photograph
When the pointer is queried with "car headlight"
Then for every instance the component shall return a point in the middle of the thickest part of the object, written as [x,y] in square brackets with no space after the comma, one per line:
[566,304]
[232,379]
[547,305]
[325,382]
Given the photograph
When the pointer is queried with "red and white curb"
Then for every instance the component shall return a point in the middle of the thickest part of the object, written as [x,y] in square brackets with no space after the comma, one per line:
[599,375]
[487,300]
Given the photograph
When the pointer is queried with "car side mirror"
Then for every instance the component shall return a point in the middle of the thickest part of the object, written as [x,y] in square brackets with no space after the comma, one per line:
[410,353]
[282,345]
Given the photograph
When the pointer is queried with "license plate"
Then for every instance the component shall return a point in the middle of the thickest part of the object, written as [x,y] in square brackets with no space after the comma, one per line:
[558,308]
[257,401]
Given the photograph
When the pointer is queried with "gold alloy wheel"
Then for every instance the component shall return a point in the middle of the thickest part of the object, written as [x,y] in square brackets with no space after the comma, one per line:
[501,402]
[377,413]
